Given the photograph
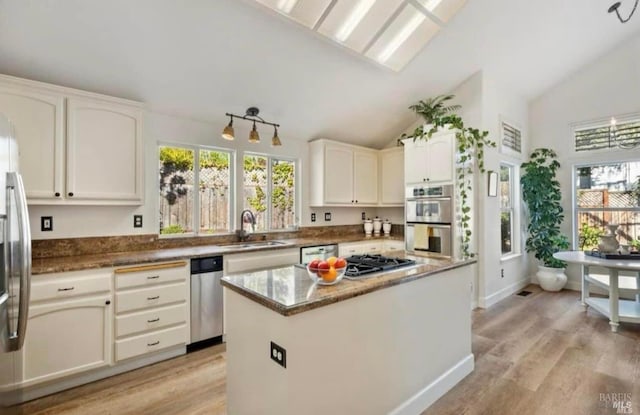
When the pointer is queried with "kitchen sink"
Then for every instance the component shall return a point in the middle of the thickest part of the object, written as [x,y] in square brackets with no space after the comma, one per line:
[256,244]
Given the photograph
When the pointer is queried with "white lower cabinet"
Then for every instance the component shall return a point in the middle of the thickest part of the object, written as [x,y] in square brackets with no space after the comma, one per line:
[370,247]
[68,335]
[260,260]
[152,308]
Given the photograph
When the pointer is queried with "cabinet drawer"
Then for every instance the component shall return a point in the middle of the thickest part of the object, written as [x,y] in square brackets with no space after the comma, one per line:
[58,288]
[150,342]
[150,297]
[150,274]
[150,320]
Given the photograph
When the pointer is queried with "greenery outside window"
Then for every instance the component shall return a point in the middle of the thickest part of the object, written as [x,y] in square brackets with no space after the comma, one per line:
[607,193]
[507,211]
[270,191]
[185,208]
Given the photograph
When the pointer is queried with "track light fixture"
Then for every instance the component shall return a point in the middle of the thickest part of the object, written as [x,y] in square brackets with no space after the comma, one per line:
[615,6]
[251,115]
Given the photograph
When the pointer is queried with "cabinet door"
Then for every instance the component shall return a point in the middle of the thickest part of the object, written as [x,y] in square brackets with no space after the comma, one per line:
[415,161]
[38,120]
[338,174]
[392,177]
[104,152]
[365,177]
[441,158]
[67,337]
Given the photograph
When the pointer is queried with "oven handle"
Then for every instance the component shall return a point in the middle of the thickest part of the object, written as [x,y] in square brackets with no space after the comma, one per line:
[429,199]
[431,224]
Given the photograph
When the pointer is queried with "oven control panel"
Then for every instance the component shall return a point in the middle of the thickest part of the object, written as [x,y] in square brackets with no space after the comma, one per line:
[430,191]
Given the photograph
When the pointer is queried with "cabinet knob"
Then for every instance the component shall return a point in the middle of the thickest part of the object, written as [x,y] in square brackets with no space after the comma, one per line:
[57,194]
[424,180]
[356,201]
[352,201]
[71,194]
[107,302]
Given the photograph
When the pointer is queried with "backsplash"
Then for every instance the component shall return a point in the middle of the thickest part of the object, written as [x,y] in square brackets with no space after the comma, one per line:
[48,248]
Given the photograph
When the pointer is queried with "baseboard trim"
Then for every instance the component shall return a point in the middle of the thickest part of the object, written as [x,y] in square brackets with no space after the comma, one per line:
[433,391]
[58,385]
[494,298]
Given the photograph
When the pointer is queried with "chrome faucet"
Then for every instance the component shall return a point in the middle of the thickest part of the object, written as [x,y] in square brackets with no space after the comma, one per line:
[242,234]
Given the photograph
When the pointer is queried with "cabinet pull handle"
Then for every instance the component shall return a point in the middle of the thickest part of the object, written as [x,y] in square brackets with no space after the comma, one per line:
[153,277]
[154,343]
[66,289]
[153,320]
[153,298]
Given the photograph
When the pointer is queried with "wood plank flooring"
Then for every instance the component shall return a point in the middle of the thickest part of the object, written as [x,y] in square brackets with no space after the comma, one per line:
[540,354]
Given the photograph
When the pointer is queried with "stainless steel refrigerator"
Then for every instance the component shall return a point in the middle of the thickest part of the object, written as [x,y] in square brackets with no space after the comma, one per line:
[15,270]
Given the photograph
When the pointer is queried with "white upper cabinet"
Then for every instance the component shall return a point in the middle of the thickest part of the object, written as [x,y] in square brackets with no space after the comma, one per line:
[365,177]
[392,177]
[431,161]
[342,174]
[75,147]
[38,120]
[104,149]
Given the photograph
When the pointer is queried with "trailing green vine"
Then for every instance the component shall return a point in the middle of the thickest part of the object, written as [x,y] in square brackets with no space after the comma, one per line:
[470,146]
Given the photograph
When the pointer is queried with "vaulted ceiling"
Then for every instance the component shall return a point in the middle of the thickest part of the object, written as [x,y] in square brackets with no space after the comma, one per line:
[202,58]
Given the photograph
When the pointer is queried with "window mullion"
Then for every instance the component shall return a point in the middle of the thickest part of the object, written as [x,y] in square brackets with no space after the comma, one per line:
[196,191]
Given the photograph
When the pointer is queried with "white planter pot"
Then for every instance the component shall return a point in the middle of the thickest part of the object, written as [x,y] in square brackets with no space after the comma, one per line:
[551,279]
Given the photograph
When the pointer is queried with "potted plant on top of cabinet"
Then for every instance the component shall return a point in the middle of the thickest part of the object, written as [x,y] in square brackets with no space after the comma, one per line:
[470,144]
[541,194]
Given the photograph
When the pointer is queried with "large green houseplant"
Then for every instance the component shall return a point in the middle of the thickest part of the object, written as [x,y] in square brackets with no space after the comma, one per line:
[541,194]
[470,145]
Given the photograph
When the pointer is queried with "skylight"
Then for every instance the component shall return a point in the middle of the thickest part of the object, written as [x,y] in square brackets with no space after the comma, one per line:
[389,32]
[358,12]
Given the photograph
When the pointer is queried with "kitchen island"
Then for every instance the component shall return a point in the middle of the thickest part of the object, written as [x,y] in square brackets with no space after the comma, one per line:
[392,343]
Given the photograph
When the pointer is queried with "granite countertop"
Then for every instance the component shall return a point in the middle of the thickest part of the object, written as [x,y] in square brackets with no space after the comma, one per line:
[117,259]
[289,290]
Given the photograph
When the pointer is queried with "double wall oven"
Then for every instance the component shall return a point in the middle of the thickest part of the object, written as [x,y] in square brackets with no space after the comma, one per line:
[429,214]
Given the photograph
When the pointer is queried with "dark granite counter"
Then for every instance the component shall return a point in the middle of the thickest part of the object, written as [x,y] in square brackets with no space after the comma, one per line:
[289,290]
[117,259]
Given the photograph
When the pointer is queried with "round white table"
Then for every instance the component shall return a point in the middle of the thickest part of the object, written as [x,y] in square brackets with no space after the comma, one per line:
[614,308]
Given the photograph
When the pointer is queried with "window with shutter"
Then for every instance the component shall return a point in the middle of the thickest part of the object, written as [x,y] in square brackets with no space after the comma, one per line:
[511,138]
[624,135]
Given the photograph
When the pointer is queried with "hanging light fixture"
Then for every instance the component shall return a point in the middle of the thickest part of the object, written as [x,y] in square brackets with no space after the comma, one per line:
[254,137]
[615,6]
[251,115]
[275,141]
[227,133]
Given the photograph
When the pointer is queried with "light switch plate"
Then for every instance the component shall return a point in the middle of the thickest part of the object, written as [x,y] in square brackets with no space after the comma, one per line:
[46,223]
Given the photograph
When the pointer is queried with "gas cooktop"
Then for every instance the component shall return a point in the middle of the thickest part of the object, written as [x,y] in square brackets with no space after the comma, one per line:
[360,266]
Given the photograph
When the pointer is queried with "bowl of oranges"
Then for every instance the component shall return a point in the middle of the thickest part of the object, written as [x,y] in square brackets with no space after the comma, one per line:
[327,272]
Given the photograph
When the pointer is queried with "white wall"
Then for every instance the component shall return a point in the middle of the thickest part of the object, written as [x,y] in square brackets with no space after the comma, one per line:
[80,221]
[501,276]
[608,87]
[485,102]
[84,221]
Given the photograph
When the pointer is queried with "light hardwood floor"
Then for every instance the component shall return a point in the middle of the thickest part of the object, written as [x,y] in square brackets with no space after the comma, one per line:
[540,354]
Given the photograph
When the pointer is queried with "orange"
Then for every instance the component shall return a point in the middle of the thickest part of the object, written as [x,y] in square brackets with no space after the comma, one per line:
[329,276]
[331,260]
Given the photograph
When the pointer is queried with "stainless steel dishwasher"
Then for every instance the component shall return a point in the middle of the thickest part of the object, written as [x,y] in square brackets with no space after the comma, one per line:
[206,298]
[309,253]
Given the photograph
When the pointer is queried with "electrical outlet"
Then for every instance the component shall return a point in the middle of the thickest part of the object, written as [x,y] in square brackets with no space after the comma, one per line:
[313,217]
[46,223]
[137,221]
[327,216]
[501,272]
[278,354]
[364,215]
